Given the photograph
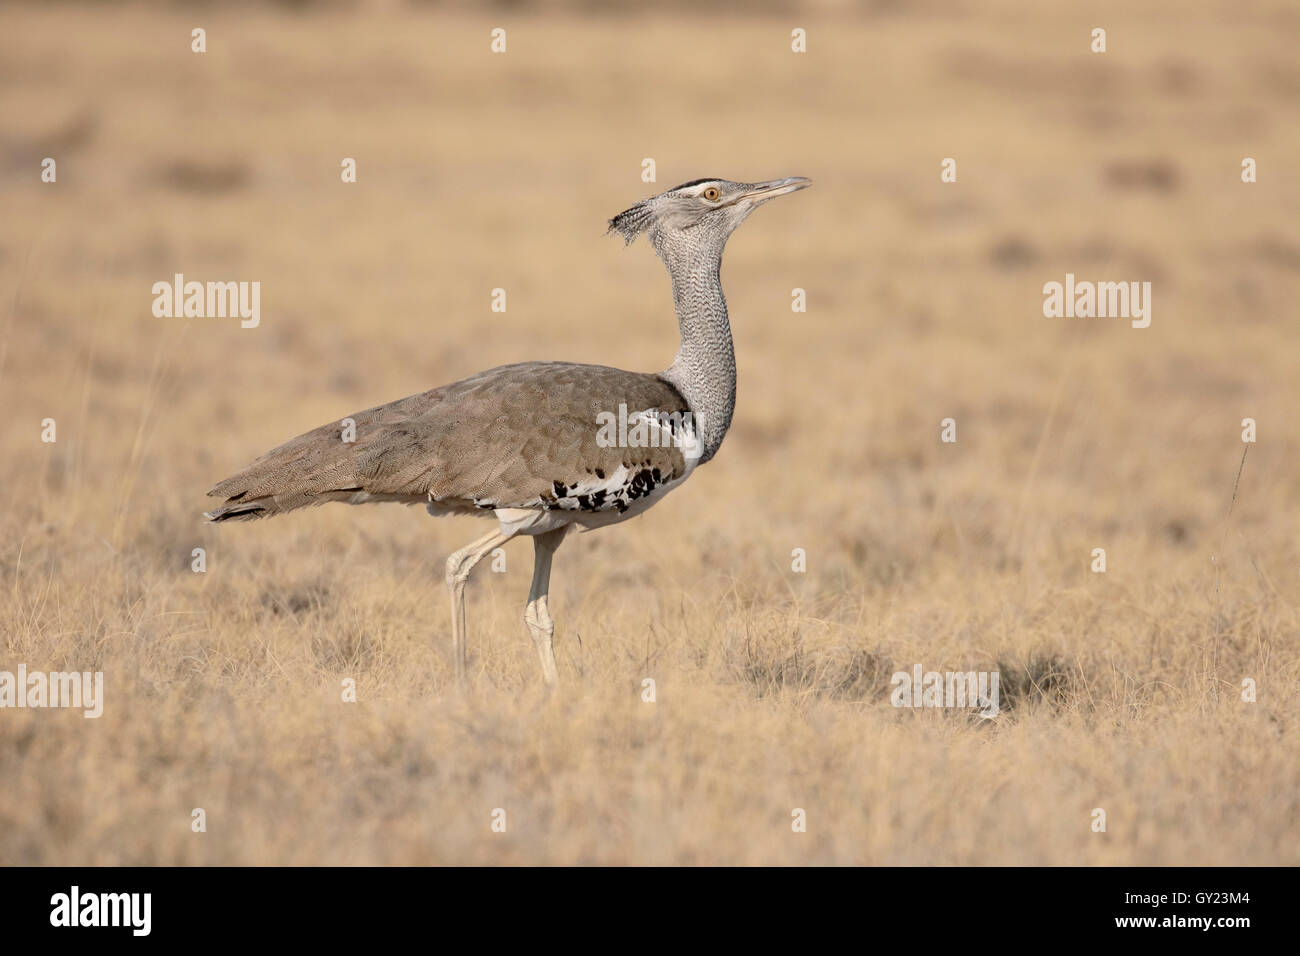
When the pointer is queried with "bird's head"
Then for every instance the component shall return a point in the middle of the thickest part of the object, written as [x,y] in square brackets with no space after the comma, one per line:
[701,213]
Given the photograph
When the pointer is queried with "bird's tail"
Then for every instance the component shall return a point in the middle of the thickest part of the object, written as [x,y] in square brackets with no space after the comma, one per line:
[239,511]
[311,469]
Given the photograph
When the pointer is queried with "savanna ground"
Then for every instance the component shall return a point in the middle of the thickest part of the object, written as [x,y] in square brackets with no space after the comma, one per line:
[1121,691]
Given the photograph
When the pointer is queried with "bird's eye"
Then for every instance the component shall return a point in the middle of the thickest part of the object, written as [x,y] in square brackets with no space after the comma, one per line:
[711,194]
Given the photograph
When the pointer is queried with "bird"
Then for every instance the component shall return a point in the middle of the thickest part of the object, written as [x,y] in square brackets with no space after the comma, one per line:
[541,448]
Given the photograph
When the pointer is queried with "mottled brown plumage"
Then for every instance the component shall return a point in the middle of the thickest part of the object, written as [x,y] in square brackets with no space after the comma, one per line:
[499,439]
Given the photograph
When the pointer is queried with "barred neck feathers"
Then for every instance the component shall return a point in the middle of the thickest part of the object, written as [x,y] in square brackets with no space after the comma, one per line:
[704,370]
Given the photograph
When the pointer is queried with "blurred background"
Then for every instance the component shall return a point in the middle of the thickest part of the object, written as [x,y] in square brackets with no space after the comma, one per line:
[478,171]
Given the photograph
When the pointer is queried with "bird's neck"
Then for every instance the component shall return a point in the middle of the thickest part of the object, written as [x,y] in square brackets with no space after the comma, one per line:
[704,370]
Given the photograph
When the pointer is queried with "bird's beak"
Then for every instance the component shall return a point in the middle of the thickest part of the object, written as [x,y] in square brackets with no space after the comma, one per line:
[762,192]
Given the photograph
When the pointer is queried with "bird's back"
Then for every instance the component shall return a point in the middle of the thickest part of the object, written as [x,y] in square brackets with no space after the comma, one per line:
[517,436]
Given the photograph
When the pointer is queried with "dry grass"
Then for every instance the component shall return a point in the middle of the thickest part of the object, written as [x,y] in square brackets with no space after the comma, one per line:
[1122,689]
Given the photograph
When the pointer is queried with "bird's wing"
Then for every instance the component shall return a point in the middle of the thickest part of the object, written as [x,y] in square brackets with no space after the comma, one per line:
[518,436]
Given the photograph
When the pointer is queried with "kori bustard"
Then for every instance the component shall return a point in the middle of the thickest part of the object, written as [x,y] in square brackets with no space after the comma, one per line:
[541,446]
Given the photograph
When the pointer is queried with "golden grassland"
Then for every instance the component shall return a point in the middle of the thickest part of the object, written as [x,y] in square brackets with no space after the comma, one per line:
[1121,690]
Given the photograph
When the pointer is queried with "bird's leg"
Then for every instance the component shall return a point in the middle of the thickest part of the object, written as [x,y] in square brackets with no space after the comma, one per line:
[459,566]
[536,615]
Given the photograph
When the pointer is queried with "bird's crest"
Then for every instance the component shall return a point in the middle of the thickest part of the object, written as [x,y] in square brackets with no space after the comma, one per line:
[630,223]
